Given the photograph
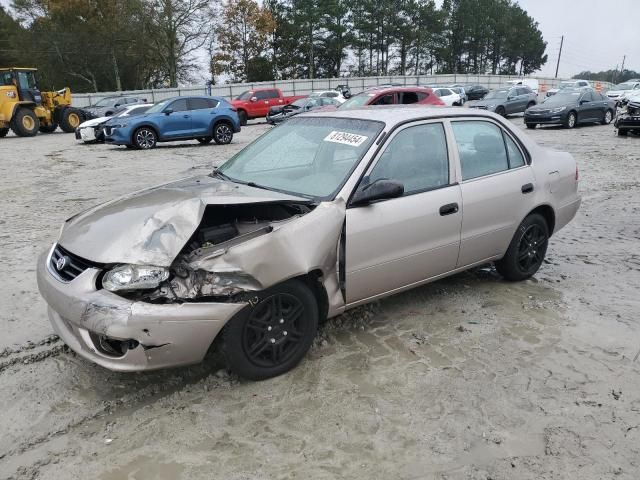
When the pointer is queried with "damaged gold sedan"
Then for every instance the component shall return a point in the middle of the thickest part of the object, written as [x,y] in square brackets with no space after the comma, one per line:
[321,214]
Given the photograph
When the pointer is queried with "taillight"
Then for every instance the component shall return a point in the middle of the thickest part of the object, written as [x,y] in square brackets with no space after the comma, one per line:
[577,174]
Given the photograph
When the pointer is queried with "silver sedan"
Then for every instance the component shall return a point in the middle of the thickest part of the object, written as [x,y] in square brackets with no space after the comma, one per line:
[326,212]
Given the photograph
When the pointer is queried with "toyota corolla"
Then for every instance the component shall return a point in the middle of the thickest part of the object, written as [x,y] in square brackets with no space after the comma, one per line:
[328,211]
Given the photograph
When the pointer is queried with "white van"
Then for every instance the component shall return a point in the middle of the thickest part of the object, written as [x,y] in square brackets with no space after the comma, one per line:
[532,83]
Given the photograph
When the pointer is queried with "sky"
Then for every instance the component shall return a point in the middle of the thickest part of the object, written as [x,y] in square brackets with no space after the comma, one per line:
[597,33]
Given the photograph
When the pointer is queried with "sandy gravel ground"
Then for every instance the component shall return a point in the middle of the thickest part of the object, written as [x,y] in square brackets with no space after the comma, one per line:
[466,378]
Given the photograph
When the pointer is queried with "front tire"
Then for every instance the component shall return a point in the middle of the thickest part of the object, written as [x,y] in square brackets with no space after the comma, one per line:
[25,123]
[242,115]
[526,251]
[532,125]
[571,120]
[270,337]
[223,133]
[501,111]
[70,119]
[608,116]
[531,104]
[623,132]
[204,140]
[144,138]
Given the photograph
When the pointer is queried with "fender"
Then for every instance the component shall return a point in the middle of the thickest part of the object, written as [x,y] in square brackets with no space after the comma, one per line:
[221,118]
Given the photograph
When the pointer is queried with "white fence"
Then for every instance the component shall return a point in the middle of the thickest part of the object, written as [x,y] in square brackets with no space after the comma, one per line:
[305,86]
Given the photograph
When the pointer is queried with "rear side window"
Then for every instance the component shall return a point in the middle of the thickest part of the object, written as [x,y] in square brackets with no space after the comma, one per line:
[267,94]
[516,159]
[199,104]
[408,97]
[417,156]
[481,148]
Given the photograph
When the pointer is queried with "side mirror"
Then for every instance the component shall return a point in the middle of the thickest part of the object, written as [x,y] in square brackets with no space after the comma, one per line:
[379,190]
[117,105]
[253,99]
[168,111]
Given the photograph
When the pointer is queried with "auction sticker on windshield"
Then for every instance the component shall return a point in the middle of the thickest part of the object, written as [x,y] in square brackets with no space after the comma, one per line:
[346,138]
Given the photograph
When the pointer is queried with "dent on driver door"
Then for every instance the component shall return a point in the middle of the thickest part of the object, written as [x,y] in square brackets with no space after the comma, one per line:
[394,243]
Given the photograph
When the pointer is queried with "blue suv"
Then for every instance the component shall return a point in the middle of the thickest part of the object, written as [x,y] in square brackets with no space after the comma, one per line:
[181,118]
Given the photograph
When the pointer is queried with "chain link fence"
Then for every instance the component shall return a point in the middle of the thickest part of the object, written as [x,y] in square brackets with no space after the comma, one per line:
[306,86]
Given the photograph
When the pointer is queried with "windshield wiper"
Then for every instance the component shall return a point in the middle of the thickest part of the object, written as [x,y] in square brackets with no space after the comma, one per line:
[255,185]
[219,174]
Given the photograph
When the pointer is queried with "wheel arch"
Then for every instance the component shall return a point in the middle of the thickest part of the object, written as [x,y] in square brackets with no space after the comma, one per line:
[147,125]
[548,214]
[222,119]
[313,280]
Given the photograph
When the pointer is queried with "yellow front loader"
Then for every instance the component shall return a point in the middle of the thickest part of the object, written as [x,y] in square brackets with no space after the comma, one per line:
[26,110]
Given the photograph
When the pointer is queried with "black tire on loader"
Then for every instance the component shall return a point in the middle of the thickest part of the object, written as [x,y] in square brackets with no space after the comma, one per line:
[48,128]
[3,132]
[70,118]
[25,123]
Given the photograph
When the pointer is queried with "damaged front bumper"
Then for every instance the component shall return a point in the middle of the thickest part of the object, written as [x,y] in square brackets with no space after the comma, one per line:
[125,335]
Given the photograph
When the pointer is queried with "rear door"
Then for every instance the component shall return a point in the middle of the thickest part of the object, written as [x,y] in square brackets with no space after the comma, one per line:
[395,243]
[202,112]
[178,123]
[496,188]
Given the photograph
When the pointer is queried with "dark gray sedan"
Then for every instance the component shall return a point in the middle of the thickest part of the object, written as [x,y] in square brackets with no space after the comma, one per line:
[506,101]
[281,114]
[571,107]
[105,107]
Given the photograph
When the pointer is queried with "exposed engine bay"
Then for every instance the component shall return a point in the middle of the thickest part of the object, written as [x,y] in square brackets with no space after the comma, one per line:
[628,115]
[222,227]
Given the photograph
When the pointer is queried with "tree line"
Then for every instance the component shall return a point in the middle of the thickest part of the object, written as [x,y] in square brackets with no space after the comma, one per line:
[95,45]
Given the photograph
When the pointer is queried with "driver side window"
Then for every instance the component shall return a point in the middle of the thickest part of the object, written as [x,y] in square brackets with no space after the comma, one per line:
[179,105]
[417,157]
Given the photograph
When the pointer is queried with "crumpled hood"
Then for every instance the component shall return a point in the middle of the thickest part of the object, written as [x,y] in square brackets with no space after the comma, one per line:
[151,226]
[94,122]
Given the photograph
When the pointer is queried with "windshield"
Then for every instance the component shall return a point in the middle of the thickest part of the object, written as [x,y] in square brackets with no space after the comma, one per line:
[311,157]
[130,112]
[562,98]
[158,107]
[106,102]
[564,85]
[299,103]
[496,94]
[245,95]
[357,100]
[623,86]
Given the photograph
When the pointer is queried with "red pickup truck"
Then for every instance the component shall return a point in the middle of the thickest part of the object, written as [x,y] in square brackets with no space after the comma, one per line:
[256,103]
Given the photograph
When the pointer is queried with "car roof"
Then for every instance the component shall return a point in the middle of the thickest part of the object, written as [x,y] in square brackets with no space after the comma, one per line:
[395,89]
[395,114]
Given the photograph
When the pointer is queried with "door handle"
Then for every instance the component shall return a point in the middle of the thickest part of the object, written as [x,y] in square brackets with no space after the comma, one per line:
[449,209]
[527,188]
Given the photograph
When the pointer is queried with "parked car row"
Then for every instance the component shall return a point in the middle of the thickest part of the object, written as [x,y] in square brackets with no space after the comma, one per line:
[143,126]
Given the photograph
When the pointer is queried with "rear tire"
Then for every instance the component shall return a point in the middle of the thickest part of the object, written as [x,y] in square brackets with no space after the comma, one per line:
[271,336]
[622,132]
[3,132]
[70,119]
[48,128]
[501,111]
[532,125]
[25,123]
[223,133]
[204,140]
[608,116]
[242,115]
[531,104]
[526,251]
[144,138]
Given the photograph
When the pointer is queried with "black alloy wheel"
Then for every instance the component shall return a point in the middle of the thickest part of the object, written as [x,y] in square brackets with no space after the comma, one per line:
[222,133]
[271,336]
[526,251]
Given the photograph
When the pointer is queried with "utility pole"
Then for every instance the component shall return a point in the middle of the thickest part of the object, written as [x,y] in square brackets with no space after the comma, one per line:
[624,57]
[559,55]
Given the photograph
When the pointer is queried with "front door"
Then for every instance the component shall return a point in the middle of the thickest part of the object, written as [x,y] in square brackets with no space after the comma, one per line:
[177,124]
[497,189]
[398,242]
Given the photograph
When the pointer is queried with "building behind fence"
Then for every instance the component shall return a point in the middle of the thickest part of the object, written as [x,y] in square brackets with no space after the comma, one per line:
[306,86]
